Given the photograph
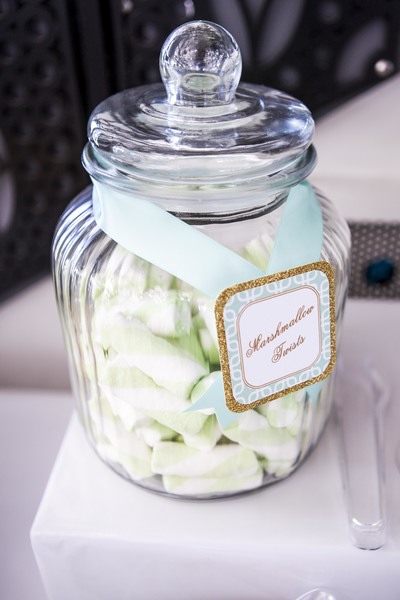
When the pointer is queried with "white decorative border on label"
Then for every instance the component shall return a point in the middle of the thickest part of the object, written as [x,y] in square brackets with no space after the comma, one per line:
[276,334]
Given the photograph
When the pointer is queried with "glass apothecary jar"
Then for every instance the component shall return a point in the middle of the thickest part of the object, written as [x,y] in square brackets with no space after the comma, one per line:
[142,343]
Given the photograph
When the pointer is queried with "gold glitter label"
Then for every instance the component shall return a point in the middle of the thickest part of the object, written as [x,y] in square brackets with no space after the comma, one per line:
[276,334]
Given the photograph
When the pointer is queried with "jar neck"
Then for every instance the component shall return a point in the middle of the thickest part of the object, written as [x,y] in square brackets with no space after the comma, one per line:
[256,212]
[200,200]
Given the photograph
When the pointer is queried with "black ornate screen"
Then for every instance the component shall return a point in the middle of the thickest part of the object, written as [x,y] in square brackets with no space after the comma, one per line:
[59,58]
[42,130]
[321,51]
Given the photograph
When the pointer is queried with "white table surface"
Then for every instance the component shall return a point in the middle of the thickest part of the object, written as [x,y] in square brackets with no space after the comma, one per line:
[97,536]
[358,147]
[32,424]
[32,352]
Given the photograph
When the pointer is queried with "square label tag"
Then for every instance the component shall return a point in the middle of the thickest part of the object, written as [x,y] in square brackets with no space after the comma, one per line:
[276,334]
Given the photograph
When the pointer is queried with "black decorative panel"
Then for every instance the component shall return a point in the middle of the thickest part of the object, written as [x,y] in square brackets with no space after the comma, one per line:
[59,58]
[41,134]
[136,30]
[321,51]
[375,264]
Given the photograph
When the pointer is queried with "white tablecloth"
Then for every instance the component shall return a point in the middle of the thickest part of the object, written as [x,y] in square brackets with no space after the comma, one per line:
[32,424]
[98,537]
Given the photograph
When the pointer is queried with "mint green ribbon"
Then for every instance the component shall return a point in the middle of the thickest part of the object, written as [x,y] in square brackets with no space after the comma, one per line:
[152,233]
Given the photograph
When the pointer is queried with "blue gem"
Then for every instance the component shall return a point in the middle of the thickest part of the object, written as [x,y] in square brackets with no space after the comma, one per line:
[380,271]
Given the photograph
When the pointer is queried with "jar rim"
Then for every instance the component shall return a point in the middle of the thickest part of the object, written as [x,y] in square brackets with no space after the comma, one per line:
[199,194]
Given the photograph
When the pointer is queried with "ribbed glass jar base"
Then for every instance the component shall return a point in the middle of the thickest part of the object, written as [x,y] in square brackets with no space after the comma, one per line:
[142,347]
[314,416]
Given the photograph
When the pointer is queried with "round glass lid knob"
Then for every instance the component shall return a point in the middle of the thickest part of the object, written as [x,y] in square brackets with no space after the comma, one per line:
[201,65]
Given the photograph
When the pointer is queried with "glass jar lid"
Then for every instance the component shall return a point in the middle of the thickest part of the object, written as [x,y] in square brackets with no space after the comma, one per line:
[201,125]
